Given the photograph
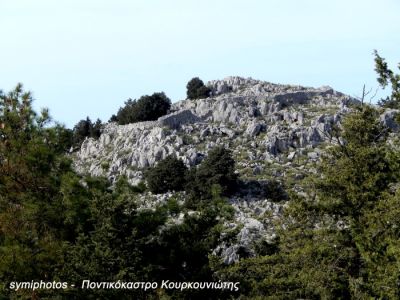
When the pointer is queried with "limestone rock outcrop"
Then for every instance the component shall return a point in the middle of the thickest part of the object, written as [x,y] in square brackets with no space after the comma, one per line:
[270,128]
[286,115]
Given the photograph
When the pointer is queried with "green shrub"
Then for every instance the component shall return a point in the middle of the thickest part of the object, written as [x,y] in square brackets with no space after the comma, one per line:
[196,89]
[85,128]
[147,108]
[105,165]
[217,169]
[275,191]
[167,175]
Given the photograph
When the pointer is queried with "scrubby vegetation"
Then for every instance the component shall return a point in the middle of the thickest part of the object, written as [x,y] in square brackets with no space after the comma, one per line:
[217,169]
[196,89]
[168,175]
[85,128]
[146,108]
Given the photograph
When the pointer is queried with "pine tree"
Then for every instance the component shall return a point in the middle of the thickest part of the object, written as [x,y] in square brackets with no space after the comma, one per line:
[388,77]
[31,170]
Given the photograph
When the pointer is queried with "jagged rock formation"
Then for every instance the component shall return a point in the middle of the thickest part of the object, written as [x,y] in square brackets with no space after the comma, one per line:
[289,117]
[274,131]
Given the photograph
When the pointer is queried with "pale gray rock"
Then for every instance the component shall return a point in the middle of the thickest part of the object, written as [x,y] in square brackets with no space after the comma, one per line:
[312,155]
[247,212]
[291,155]
[254,128]
[176,119]
[229,132]
[388,119]
[257,170]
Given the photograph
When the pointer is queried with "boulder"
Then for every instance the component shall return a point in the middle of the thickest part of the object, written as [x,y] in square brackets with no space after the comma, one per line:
[388,119]
[176,119]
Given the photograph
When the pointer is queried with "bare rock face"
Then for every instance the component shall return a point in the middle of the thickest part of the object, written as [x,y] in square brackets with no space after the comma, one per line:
[388,119]
[242,113]
[176,119]
[254,128]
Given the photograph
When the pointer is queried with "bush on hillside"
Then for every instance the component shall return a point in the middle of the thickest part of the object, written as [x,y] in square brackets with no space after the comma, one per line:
[217,169]
[196,89]
[147,108]
[168,175]
[85,128]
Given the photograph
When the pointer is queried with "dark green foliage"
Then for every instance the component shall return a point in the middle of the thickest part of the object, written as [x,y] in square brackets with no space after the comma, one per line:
[128,244]
[196,89]
[388,77]
[117,246]
[128,113]
[217,169]
[63,137]
[357,174]
[147,108]
[184,249]
[85,128]
[380,247]
[368,167]
[275,191]
[113,119]
[81,131]
[365,162]
[95,131]
[168,175]
[75,198]
[32,169]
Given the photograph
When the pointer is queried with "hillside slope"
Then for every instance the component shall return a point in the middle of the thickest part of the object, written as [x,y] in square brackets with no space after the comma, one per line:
[259,121]
[276,133]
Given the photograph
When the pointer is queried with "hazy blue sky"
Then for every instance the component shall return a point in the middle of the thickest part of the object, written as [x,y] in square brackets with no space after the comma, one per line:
[87,57]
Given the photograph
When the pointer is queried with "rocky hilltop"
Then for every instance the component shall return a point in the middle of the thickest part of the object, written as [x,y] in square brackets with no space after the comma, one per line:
[275,132]
[260,121]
